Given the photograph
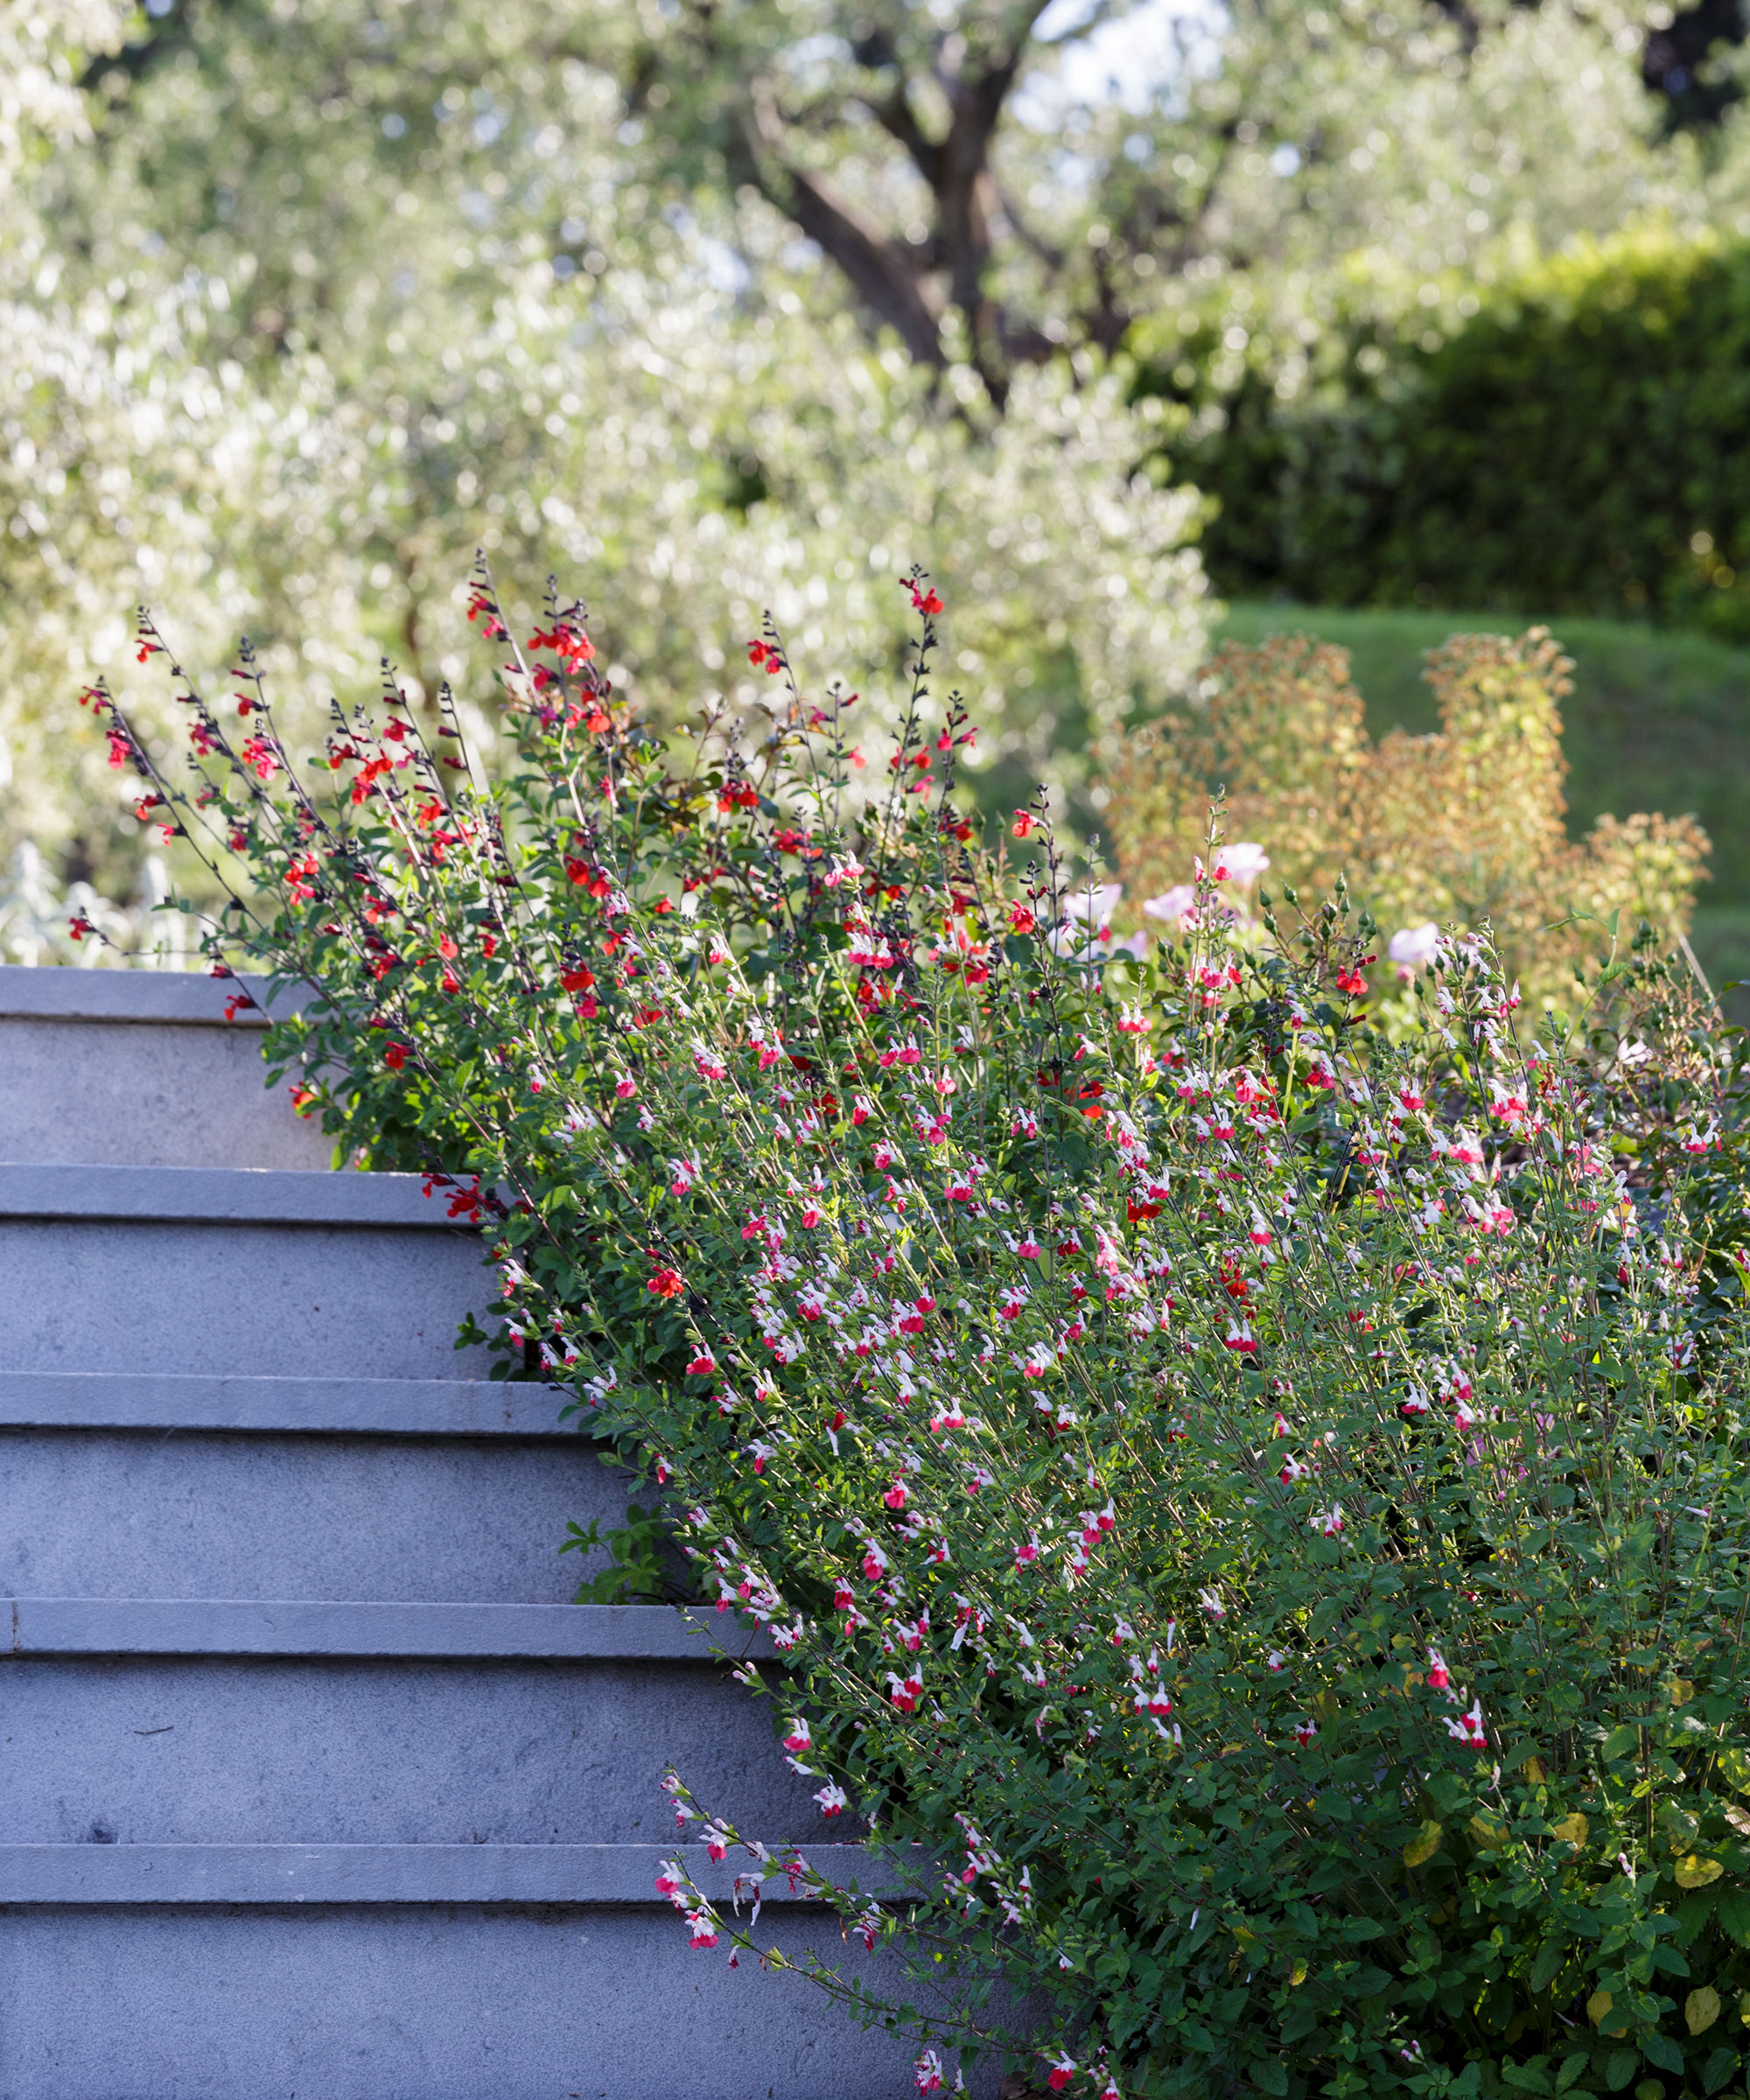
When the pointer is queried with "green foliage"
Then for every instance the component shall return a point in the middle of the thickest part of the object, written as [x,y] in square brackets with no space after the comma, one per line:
[1267,1508]
[641,1560]
[1577,446]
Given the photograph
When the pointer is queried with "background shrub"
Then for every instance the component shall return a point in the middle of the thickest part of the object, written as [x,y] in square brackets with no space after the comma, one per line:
[1462,825]
[1581,444]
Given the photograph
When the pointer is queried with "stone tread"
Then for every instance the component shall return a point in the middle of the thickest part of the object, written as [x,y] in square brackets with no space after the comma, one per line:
[186,998]
[579,1874]
[415,1407]
[219,1196]
[133,1625]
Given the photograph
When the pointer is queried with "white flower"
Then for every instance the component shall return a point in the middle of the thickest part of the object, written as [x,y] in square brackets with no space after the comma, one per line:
[1095,903]
[1171,904]
[1243,863]
[1415,946]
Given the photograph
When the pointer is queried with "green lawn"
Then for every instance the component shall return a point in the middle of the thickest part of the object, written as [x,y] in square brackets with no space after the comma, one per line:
[1657,720]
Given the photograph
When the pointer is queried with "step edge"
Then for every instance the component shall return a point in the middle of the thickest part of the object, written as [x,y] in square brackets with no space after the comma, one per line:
[148,998]
[581,1875]
[412,1407]
[389,1629]
[74,1190]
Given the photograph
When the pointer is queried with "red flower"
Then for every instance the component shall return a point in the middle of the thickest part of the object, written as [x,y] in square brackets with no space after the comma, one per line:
[395,1055]
[665,1282]
[261,758]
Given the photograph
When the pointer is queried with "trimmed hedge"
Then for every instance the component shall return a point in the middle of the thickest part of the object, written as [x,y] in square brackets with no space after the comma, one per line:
[1581,445]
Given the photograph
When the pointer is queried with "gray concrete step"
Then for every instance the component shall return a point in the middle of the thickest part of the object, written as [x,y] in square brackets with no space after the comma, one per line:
[151,1512]
[311,1780]
[507,2000]
[390,1407]
[178,1749]
[401,1873]
[218,1298]
[141,1068]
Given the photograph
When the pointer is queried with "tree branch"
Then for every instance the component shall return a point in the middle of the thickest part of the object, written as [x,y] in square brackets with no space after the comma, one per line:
[882,276]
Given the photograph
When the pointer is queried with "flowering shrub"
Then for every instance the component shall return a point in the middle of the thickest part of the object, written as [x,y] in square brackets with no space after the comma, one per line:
[1465,825]
[1252,1518]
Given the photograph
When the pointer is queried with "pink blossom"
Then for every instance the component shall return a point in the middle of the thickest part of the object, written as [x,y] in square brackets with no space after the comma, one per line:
[1095,904]
[1174,903]
[907,1691]
[702,1926]
[1413,948]
[1240,864]
[1468,1728]
[833,1799]
[1439,1677]
[797,1736]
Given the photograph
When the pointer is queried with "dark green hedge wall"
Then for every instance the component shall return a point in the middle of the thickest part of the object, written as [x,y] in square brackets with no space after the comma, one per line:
[1582,445]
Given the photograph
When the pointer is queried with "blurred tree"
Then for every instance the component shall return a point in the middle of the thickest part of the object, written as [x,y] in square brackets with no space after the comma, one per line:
[1681,59]
[712,309]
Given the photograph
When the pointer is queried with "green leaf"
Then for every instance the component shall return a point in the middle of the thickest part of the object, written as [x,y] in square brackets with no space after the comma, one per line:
[1550,1956]
[1734,1769]
[1269,2076]
[1572,2068]
[1663,2053]
[1621,1742]
[1719,2066]
[1732,1909]
[1619,2067]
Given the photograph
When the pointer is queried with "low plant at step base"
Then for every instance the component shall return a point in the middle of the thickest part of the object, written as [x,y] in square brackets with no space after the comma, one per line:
[1260,1513]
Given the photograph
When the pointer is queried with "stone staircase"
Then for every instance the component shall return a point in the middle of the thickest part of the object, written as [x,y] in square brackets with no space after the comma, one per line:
[313,1783]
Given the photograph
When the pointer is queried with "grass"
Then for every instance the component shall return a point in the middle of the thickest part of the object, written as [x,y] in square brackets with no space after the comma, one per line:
[1657,720]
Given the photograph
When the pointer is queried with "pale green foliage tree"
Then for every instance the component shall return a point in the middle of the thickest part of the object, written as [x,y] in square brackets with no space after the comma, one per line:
[335,292]
[384,322]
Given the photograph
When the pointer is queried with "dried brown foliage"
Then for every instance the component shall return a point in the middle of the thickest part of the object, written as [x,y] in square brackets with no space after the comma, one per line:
[1458,826]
